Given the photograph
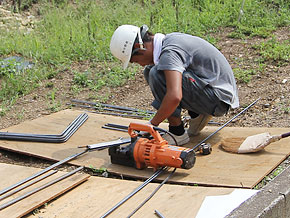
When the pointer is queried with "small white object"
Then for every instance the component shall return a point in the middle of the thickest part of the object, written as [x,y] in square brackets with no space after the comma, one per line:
[252,143]
[222,205]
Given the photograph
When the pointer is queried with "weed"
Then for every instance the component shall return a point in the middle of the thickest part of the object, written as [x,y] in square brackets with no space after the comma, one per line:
[273,50]
[244,76]
[18,83]
[2,110]
[21,114]
[285,108]
[270,177]
[102,98]
[8,67]
[75,89]
[49,85]
[99,170]
[53,105]
[82,79]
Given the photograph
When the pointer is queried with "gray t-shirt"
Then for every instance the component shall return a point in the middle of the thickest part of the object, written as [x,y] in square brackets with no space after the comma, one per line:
[183,52]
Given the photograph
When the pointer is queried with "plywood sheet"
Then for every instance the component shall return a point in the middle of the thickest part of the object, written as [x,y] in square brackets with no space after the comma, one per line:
[11,174]
[217,169]
[98,195]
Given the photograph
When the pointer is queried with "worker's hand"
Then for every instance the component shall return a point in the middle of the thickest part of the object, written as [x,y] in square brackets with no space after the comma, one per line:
[144,133]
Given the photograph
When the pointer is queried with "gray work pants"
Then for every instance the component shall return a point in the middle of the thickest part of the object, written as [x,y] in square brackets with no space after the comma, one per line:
[197,96]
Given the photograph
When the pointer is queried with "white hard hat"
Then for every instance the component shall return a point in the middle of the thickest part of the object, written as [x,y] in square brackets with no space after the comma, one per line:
[122,42]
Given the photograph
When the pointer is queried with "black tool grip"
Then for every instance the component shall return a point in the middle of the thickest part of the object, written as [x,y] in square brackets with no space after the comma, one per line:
[285,135]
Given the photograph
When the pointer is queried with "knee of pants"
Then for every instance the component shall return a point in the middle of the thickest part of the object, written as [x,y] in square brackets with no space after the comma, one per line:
[221,109]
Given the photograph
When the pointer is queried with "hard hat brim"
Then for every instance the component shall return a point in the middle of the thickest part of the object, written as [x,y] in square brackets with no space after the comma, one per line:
[126,63]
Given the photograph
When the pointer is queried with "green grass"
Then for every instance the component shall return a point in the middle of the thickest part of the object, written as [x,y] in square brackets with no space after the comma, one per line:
[16,83]
[244,75]
[75,31]
[275,51]
[270,177]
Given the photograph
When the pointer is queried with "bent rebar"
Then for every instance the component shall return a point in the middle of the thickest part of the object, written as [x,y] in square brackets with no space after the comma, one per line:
[50,138]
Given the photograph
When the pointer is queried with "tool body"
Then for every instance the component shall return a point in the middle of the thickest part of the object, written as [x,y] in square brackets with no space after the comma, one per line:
[155,152]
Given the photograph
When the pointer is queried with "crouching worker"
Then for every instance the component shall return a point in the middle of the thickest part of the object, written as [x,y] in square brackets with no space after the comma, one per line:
[183,72]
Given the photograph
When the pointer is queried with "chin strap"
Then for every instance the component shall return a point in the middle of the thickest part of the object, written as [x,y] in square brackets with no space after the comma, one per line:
[140,40]
[141,33]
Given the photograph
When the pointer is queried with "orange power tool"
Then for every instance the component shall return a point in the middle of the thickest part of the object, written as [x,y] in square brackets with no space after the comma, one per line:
[153,152]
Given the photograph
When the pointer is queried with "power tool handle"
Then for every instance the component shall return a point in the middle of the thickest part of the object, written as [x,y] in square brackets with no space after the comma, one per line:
[146,128]
[285,135]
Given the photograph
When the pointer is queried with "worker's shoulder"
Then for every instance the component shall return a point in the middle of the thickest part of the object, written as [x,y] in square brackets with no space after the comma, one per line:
[184,39]
[179,35]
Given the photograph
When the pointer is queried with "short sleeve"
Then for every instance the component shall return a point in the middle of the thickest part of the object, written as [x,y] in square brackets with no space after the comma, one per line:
[172,59]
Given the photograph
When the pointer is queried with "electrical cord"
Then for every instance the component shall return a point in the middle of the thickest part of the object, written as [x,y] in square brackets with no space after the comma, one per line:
[169,133]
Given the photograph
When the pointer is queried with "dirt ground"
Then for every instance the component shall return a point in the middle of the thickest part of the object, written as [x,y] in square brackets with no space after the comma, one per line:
[271,85]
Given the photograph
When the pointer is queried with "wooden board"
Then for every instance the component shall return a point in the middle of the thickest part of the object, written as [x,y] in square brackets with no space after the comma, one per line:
[11,174]
[217,169]
[98,195]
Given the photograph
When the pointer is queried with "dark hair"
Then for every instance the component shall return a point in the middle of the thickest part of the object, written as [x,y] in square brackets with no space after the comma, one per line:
[148,37]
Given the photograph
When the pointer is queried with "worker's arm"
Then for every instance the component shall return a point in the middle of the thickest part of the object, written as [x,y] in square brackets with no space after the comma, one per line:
[172,97]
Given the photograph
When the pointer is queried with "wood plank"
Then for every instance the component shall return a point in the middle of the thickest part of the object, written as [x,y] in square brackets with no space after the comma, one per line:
[98,195]
[11,174]
[217,169]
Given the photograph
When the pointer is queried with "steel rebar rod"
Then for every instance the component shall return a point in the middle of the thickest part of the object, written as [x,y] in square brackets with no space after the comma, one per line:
[41,172]
[115,114]
[103,145]
[39,188]
[112,106]
[127,113]
[27,185]
[220,128]
[83,118]
[160,215]
[113,128]
[156,174]
[116,126]
[46,138]
[64,136]
[152,194]
[79,118]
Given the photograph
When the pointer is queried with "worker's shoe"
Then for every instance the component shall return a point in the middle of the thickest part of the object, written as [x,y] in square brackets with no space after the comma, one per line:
[181,140]
[197,124]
